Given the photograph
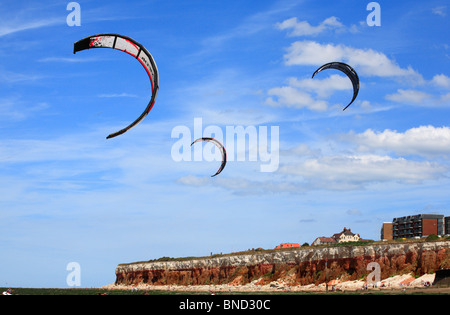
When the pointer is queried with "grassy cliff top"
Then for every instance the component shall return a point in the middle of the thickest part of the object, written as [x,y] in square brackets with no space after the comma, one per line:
[431,238]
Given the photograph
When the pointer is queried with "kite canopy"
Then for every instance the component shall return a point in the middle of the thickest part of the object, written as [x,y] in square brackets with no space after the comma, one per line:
[349,71]
[130,46]
[222,150]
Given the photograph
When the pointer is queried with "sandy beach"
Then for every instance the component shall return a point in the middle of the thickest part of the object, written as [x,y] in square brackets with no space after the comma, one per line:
[398,282]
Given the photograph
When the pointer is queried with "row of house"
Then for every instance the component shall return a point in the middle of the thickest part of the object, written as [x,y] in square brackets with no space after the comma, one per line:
[345,236]
[416,226]
[411,226]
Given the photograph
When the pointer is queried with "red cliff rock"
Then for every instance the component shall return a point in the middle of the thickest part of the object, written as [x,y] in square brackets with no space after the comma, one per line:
[301,266]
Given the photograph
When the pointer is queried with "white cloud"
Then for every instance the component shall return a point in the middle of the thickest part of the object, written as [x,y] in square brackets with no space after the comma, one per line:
[353,212]
[441,10]
[67,59]
[292,97]
[15,109]
[373,159]
[242,186]
[365,61]
[423,140]
[303,28]
[11,27]
[15,77]
[323,87]
[408,96]
[415,97]
[444,99]
[191,180]
[117,95]
[297,93]
[311,53]
[343,172]
[441,80]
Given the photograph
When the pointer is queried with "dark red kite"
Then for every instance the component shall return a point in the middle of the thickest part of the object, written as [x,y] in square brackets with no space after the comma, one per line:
[136,50]
[353,76]
[222,150]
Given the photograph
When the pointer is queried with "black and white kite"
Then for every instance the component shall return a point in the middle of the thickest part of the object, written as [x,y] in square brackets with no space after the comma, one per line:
[349,71]
[130,46]
[222,150]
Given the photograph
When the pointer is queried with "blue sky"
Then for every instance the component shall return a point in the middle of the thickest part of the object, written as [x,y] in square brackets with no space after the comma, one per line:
[70,195]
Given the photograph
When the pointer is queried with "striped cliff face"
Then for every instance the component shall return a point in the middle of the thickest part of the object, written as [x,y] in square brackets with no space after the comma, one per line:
[295,266]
